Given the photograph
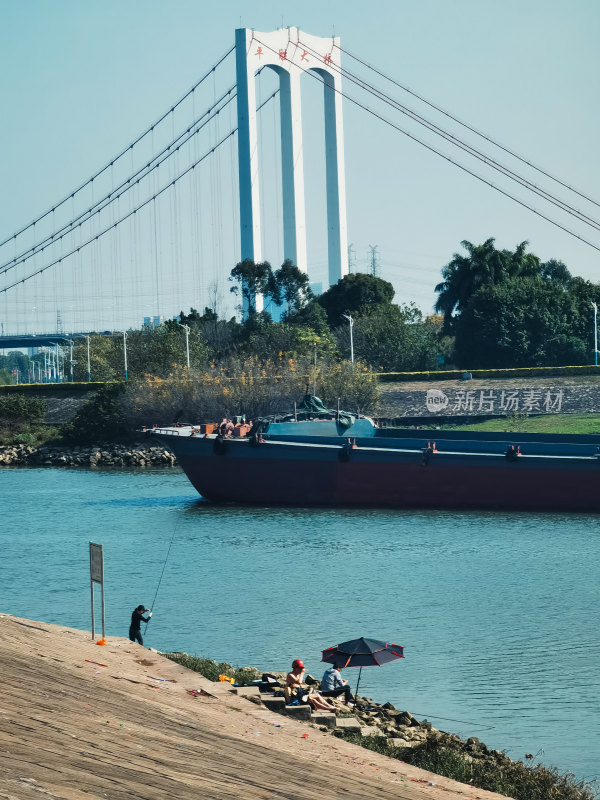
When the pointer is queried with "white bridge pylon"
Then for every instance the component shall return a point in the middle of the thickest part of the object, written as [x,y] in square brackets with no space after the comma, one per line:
[291,52]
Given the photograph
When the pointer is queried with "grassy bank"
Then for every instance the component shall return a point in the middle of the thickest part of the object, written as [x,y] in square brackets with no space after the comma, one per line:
[515,779]
[552,423]
[212,670]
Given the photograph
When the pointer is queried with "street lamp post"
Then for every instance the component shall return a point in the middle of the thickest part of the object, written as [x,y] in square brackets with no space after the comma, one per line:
[88,360]
[351,322]
[186,328]
[125,352]
[595,305]
[71,362]
[56,353]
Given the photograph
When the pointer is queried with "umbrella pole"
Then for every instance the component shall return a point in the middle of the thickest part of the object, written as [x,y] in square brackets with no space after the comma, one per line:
[357,685]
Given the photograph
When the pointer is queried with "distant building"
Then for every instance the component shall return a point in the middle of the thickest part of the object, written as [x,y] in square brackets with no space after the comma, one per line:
[153,322]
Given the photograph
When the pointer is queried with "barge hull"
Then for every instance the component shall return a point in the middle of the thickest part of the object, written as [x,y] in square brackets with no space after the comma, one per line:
[301,474]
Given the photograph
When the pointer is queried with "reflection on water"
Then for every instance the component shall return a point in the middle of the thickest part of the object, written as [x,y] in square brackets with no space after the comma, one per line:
[497,612]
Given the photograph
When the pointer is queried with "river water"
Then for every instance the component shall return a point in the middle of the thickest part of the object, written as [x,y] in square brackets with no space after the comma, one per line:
[498,613]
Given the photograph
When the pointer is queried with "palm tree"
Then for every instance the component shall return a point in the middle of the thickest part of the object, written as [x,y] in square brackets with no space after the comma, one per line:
[521,264]
[464,274]
[482,266]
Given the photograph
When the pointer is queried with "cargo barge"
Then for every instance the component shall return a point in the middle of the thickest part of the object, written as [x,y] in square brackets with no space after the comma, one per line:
[334,462]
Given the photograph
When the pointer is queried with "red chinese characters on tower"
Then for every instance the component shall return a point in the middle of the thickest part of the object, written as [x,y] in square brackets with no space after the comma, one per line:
[327,59]
[303,56]
[283,55]
[259,52]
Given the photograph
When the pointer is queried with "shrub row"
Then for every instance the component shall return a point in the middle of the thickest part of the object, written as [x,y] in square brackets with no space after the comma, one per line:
[458,374]
[67,386]
[16,408]
[383,377]
[212,669]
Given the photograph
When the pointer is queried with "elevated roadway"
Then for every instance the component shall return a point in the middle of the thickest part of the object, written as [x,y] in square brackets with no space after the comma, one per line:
[43,339]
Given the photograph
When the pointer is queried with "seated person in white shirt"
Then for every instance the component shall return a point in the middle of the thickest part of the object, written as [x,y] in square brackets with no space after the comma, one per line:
[333,685]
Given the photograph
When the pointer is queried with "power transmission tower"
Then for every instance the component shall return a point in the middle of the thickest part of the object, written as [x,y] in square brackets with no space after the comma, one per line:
[351,258]
[374,259]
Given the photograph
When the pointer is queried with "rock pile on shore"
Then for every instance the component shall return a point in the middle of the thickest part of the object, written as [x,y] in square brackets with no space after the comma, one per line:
[404,730]
[366,718]
[103,455]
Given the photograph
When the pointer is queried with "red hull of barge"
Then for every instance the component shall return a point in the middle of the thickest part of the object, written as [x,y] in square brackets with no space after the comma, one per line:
[301,474]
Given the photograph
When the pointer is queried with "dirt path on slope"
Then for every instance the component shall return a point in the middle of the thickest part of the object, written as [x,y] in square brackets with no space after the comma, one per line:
[125,728]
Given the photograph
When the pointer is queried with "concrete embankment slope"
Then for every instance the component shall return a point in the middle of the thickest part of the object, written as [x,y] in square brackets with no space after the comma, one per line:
[81,721]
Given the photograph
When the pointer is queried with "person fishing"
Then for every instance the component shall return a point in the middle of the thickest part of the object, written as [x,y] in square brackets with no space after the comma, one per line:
[136,620]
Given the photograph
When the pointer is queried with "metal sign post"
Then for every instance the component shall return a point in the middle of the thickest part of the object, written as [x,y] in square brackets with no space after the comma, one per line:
[97,576]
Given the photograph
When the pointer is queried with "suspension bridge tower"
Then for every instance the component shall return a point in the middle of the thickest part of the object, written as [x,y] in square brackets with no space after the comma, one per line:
[290,53]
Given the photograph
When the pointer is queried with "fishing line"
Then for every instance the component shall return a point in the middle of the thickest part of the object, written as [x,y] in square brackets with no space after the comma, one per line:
[163,572]
[450,719]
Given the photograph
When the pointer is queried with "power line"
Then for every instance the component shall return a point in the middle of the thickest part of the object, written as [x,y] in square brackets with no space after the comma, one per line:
[442,155]
[469,127]
[127,149]
[469,149]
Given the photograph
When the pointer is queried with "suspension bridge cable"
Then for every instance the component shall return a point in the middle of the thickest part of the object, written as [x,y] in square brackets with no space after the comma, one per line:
[112,226]
[439,153]
[469,127]
[126,185]
[462,145]
[100,233]
[127,149]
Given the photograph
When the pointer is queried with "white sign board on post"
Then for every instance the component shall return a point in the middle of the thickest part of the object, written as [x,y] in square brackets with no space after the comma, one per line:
[97,576]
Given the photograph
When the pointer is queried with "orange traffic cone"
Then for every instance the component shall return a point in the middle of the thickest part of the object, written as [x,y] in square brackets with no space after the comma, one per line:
[101,641]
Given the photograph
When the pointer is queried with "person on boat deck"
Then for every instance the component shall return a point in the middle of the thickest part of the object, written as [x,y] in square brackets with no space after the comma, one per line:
[226,427]
[333,685]
[136,620]
[294,690]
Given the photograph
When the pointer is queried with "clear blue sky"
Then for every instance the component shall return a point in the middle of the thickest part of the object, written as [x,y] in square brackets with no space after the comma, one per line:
[79,80]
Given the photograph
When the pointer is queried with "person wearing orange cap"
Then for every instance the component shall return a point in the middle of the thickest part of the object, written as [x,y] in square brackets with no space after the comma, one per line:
[295,692]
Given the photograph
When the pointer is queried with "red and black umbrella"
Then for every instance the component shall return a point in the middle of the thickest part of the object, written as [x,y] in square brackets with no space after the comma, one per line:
[362,653]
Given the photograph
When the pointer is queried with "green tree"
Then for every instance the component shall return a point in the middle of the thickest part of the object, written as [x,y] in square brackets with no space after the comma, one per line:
[222,337]
[392,339]
[158,350]
[292,287]
[193,318]
[252,278]
[312,316]
[557,272]
[13,360]
[483,265]
[106,358]
[354,293]
[524,322]
[295,341]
